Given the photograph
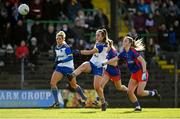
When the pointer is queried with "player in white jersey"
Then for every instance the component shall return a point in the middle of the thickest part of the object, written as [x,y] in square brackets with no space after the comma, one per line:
[99,55]
[64,65]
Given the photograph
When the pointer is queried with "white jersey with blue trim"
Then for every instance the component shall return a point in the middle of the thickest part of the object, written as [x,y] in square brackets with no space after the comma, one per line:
[62,53]
[100,57]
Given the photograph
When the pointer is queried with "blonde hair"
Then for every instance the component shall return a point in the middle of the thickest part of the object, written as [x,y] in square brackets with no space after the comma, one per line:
[137,44]
[61,33]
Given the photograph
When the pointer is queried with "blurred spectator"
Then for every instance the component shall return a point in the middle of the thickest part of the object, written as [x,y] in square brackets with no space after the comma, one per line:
[49,38]
[172,17]
[163,37]
[79,31]
[36,9]
[73,7]
[15,15]
[150,49]
[132,6]
[155,5]
[172,40]
[60,9]
[86,4]
[100,20]
[173,7]
[82,45]
[177,29]
[9,54]
[139,21]
[158,19]
[7,34]
[90,22]
[143,7]
[8,10]
[164,10]
[22,51]
[33,53]
[2,56]
[3,19]
[150,23]
[122,10]
[48,10]
[82,18]
[132,9]
[70,34]
[20,33]
[37,31]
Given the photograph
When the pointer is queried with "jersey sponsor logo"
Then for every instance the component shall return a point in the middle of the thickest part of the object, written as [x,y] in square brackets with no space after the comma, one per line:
[130,62]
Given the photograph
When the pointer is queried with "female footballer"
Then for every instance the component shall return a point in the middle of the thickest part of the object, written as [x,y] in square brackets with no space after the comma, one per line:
[137,66]
[64,65]
[112,72]
[99,56]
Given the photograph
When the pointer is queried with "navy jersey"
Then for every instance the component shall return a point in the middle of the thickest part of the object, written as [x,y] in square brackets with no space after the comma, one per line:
[131,59]
[64,56]
[112,70]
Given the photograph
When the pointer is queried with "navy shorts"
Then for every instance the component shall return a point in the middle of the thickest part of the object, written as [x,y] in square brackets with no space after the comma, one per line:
[95,70]
[64,70]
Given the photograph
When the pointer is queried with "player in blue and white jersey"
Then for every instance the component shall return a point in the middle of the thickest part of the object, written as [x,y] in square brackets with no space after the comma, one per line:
[64,65]
[112,72]
[99,56]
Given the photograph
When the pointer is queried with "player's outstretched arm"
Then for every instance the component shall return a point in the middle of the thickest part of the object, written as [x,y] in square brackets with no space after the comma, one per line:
[111,61]
[89,52]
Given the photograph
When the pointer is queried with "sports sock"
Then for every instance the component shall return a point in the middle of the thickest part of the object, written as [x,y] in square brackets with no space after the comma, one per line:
[55,94]
[80,92]
[151,93]
[102,100]
[137,105]
[97,98]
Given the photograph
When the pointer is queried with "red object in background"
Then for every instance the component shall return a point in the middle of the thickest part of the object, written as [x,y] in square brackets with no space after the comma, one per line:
[148,1]
[12,2]
[22,51]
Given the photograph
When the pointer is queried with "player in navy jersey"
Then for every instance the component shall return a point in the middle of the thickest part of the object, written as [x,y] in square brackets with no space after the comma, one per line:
[64,65]
[112,72]
[137,65]
[99,56]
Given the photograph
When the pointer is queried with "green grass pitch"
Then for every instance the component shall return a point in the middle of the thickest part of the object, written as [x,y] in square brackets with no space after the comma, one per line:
[90,113]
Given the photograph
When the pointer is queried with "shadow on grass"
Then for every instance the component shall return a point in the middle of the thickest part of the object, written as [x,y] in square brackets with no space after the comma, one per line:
[89,112]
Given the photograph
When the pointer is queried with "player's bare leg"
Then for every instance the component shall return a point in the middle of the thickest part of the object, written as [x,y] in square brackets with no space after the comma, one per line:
[142,92]
[103,83]
[78,89]
[131,89]
[97,86]
[85,67]
[119,86]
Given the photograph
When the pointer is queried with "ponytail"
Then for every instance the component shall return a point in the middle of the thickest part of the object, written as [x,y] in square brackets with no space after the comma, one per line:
[110,42]
[137,44]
